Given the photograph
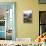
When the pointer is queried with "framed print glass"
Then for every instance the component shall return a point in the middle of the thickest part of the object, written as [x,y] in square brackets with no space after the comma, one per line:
[27,16]
[42,1]
[7,20]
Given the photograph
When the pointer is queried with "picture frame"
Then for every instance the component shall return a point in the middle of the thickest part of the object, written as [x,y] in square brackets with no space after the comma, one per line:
[27,16]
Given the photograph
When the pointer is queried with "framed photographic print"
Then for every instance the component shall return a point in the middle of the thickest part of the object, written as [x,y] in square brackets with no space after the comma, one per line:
[42,1]
[7,20]
[27,16]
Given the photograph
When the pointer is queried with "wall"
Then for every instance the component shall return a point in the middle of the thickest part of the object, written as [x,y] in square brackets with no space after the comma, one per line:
[30,30]
[23,29]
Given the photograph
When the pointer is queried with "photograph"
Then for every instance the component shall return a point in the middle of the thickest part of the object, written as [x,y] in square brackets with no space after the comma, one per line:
[27,16]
